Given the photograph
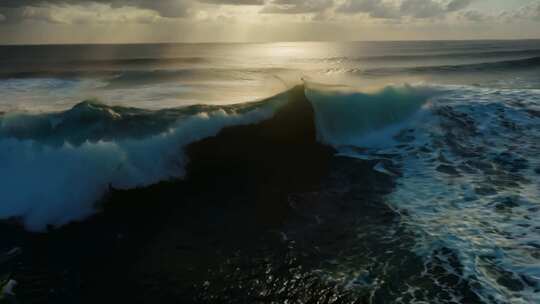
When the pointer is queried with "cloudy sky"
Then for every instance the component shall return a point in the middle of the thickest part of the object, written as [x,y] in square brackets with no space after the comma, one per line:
[127,21]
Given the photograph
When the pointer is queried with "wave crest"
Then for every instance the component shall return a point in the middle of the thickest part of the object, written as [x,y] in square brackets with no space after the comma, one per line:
[66,161]
[498,66]
[355,118]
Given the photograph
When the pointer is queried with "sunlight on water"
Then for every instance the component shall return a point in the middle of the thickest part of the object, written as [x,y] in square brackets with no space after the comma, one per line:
[162,76]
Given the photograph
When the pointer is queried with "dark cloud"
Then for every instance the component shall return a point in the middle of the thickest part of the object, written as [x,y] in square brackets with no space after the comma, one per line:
[374,8]
[532,12]
[297,6]
[474,16]
[456,5]
[166,8]
[13,10]
[234,2]
[422,8]
[528,12]
[406,8]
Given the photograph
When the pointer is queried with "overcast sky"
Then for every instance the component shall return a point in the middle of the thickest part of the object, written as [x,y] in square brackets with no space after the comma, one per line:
[121,21]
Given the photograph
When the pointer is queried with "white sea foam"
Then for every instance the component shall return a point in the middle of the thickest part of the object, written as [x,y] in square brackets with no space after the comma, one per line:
[54,181]
[470,180]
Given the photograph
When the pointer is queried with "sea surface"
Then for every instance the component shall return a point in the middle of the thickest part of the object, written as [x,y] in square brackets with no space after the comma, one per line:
[456,124]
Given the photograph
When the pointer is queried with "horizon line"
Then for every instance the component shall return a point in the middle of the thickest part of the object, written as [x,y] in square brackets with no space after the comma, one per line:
[259,42]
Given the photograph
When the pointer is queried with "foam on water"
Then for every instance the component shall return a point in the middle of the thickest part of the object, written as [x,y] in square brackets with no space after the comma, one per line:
[470,182]
[54,167]
[472,187]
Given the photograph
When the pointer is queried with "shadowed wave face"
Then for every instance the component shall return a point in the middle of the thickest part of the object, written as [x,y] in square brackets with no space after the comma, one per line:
[371,172]
[95,146]
[67,160]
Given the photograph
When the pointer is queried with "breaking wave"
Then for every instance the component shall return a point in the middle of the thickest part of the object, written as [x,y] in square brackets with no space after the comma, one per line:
[468,167]
[355,118]
[56,166]
[465,158]
[68,160]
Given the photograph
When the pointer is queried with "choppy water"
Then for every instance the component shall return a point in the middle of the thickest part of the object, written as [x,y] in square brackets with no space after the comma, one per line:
[470,184]
[457,123]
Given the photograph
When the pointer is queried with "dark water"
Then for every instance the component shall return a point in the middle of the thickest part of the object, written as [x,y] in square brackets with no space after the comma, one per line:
[387,172]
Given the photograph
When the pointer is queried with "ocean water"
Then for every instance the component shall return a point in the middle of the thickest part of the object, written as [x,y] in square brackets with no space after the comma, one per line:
[456,123]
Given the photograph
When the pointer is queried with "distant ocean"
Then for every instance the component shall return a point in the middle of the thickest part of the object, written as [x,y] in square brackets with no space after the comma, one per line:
[454,124]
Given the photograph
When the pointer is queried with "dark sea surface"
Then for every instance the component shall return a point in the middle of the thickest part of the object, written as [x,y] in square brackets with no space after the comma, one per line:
[361,172]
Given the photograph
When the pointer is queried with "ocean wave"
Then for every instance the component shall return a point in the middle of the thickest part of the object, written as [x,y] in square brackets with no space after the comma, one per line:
[67,161]
[498,66]
[140,61]
[123,77]
[469,185]
[355,118]
[99,68]
[89,64]
[465,161]
[427,56]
